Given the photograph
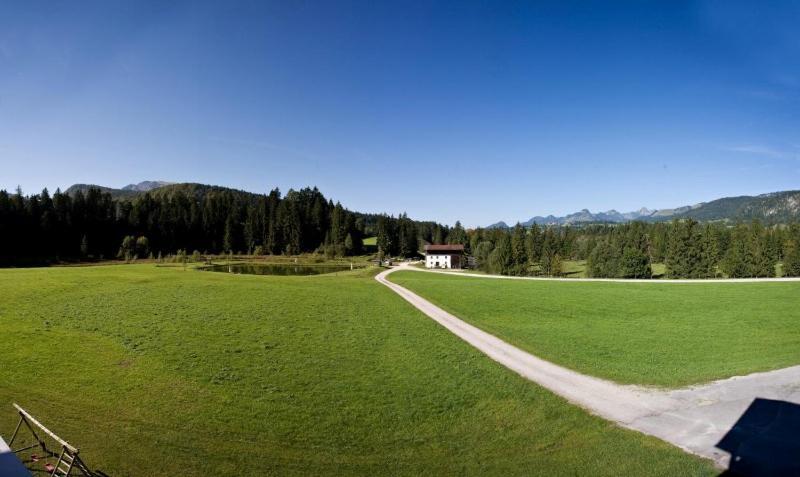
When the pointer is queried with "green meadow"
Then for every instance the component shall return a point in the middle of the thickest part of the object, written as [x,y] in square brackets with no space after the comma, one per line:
[164,371]
[577,269]
[657,334]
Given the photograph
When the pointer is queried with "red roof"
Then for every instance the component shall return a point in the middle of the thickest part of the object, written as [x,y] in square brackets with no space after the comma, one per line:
[444,248]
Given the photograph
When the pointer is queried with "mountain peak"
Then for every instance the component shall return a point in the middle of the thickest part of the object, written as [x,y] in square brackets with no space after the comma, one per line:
[498,225]
[145,186]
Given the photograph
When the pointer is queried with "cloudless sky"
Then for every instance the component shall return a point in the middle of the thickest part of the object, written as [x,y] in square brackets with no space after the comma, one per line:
[478,111]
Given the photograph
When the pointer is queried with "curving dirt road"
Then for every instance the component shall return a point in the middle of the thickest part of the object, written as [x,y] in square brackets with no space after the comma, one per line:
[693,418]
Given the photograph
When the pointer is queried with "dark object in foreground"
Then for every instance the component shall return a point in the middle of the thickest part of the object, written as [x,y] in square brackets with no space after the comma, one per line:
[765,441]
[10,465]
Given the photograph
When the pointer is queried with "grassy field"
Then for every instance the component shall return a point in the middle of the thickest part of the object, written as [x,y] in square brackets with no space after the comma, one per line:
[577,269]
[659,334]
[161,371]
[371,244]
[574,268]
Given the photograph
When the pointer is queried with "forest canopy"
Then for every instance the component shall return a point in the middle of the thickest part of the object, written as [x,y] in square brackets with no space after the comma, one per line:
[92,224]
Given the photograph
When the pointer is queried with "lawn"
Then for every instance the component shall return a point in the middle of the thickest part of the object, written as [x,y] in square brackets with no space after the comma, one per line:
[659,334]
[574,268]
[577,269]
[160,371]
[371,244]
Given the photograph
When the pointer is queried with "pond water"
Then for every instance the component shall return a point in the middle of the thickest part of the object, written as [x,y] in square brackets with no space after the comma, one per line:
[276,268]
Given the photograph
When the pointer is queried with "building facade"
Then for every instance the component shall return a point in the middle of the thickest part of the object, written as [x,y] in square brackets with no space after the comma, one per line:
[444,256]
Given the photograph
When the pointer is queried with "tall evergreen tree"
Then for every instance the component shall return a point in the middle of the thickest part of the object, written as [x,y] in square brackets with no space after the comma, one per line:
[550,249]
[458,235]
[791,254]
[519,254]
[603,261]
[533,244]
[500,259]
[760,262]
[736,263]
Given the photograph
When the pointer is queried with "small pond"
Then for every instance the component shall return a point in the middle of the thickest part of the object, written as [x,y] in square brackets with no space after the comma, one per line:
[276,268]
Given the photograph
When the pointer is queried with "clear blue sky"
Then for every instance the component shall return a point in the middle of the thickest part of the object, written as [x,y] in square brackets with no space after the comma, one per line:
[447,110]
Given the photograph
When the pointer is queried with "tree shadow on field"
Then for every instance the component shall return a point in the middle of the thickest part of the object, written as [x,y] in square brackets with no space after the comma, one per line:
[765,441]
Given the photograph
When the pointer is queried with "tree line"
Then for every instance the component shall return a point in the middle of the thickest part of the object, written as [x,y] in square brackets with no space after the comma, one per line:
[688,249]
[39,228]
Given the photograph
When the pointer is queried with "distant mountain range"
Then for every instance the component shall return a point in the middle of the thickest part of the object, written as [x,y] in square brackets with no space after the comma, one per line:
[773,207]
[130,190]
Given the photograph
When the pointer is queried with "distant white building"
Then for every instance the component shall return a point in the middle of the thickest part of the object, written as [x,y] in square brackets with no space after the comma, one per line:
[444,256]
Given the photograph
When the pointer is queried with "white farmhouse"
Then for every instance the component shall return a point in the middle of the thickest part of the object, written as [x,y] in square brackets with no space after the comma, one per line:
[444,256]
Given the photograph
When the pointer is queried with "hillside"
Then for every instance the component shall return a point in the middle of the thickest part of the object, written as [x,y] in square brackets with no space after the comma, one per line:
[115,193]
[130,190]
[199,191]
[772,207]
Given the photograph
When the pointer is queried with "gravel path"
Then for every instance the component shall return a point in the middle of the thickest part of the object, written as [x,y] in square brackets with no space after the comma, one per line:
[694,418]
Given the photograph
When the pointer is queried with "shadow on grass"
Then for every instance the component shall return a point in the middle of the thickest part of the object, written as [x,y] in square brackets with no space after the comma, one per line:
[765,441]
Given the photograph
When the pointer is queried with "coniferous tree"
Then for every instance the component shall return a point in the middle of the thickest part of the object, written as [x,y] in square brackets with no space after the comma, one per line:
[228,239]
[791,254]
[438,236]
[602,261]
[685,250]
[634,263]
[385,235]
[556,266]
[289,219]
[457,235]
[659,241]
[408,241]
[736,263]
[709,255]
[635,258]
[760,262]
[791,261]
[533,244]
[482,252]
[500,259]
[272,240]
[348,244]
[519,255]
[550,248]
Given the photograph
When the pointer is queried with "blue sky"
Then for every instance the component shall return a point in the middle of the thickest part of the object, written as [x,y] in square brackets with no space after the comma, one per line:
[478,111]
